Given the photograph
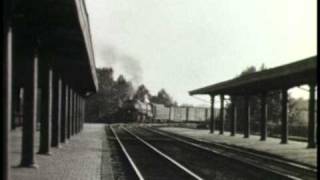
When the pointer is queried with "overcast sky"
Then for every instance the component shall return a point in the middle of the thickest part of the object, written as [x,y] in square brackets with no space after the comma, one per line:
[181,45]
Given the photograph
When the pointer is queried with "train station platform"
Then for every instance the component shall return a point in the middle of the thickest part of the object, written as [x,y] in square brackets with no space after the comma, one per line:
[85,156]
[294,150]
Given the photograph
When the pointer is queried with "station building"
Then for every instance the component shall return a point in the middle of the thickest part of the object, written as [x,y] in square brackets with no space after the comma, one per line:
[260,84]
[48,72]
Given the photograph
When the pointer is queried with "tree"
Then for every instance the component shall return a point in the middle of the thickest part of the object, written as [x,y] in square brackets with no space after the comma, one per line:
[248,70]
[142,93]
[298,109]
[104,104]
[163,98]
[105,77]
[123,89]
[97,102]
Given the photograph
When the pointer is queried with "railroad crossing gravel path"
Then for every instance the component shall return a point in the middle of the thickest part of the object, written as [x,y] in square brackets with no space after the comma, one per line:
[85,157]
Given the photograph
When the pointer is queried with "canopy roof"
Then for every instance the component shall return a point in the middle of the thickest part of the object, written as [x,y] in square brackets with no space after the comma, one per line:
[286,76]
[61,29]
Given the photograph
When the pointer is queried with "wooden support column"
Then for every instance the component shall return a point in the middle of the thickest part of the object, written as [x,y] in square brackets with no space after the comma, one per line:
[21,96]
[58,138]
[264,113]
[84,112]
[246,117]
[7,104]
[74,112]
[284,116]
[19,108]
[212,115]
[30,111]
[66,112]
[56,123]
[59,123]
[311,116]
[233,124]
[222,114]
[63,113]
[70,112]
[14,102]
[78,114]
[81,115]
[15,105]
[46,109]
[17,116]
[206,114]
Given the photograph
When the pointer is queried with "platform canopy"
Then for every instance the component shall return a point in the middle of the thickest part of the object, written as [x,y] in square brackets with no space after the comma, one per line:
[286,76]
[61,31]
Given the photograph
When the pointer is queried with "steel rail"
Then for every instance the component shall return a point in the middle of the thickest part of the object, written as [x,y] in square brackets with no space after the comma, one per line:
[280,161]
[164,155]
[296,165]
[217,152]
[133,165]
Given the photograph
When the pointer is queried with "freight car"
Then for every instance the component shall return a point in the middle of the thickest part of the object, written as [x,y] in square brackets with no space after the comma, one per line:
[162,113]
[138,111]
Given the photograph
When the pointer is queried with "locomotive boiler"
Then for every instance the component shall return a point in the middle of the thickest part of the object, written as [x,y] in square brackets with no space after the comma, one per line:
[133,110]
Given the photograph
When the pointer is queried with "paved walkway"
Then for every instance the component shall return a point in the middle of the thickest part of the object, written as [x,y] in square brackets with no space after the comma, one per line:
[82,158]
[294,150]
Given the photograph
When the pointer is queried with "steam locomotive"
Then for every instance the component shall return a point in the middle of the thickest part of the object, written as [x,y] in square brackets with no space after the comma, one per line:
[132,110]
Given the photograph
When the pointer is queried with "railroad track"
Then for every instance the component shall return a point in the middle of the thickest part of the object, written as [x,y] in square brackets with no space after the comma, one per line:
[147,161]
[150,153]
[204,164]
[280,168]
